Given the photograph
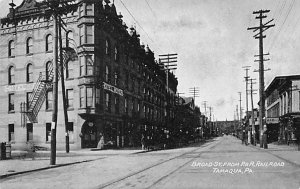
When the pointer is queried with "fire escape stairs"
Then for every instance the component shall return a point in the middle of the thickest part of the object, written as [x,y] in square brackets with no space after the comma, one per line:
[43,85]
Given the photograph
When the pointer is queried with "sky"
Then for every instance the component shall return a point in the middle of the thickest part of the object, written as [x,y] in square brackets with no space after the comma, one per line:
[213,43]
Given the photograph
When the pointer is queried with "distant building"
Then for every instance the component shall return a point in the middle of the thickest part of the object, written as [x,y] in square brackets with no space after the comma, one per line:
[283,108]
[115,89]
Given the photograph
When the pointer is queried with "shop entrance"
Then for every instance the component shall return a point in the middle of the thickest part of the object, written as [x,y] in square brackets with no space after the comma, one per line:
[88,135]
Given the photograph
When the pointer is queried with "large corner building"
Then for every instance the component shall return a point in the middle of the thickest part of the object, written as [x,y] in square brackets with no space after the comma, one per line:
[115,88]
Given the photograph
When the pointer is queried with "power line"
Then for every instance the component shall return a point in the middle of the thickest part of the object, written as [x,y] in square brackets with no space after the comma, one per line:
[138,23]
[151,9]
[284,21]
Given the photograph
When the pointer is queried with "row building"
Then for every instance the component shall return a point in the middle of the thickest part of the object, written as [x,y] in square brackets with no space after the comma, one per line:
[115,89]
[283,109]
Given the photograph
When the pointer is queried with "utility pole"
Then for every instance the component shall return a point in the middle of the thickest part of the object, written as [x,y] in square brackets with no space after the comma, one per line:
[238,117]
[210,123]
[241,118]
[54,5]
[252,117]
[194,92]
[246,68]
[261,28]
[62,79]
[204,104]
[168,62]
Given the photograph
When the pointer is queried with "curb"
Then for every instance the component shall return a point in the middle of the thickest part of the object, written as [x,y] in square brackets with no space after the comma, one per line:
[66,164]
[45,168]
[56,166]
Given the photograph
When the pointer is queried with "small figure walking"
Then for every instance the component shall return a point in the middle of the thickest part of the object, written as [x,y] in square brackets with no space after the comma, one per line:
[143,142]
[243,137]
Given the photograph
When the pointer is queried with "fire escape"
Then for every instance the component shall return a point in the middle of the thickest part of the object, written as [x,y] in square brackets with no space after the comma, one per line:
[31,109]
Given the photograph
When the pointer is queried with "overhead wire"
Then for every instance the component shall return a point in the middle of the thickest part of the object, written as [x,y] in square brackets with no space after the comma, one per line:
[154,14]
[281,26]
[136,21]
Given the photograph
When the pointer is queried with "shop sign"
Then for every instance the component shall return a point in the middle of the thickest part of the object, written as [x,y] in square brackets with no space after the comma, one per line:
[18,88]
[272,120]
[112,89]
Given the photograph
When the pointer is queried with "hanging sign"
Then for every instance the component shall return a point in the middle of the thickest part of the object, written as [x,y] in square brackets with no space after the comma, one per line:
[272,120]
[112,89]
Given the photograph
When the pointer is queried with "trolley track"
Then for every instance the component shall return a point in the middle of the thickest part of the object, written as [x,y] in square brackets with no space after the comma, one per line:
[118,180]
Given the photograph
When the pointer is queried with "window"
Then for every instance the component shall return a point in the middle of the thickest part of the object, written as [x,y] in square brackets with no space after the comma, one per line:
[132,105]
[29,77]
[89,64]
[89,35]
[69,38]
[117,105]
[89,9]
[89,97]
[81,35]
[11,102]
[28,99]
[48,70]
[126,105]
[116,79]
[11,48]
[69,70]
[29,46]
[107,47]
[81,96]
[11,75]
[107,102]
[106,74]
[81,64]
[70,98]
[49,43]
[29,131]
[11,132]
[116,54]
[48,132]
[97,96]
[49,100]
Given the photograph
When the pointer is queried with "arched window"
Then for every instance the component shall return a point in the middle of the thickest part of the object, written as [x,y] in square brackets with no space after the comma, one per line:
[69,70]
[106,74]
[49,43]
[11,48]
[29,45]
[107,46]
[48,70]
[69,38]
[116,53]
[116,78]
[11,75]
[29,77]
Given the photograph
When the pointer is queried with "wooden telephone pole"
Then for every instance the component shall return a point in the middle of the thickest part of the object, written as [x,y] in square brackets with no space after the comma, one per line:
[260,36]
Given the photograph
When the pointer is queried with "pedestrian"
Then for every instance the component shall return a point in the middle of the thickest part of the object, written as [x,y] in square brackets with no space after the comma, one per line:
[143,142]
[243,136]
[101,142]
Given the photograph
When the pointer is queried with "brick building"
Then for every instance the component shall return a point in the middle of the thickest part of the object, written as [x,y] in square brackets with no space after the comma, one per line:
[114,86]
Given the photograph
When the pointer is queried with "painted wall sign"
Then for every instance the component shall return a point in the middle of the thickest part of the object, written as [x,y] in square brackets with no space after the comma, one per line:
[18,88]
[112,89]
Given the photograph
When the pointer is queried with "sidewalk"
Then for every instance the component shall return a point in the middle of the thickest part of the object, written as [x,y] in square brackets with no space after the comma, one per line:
[284,152]
[22,162]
